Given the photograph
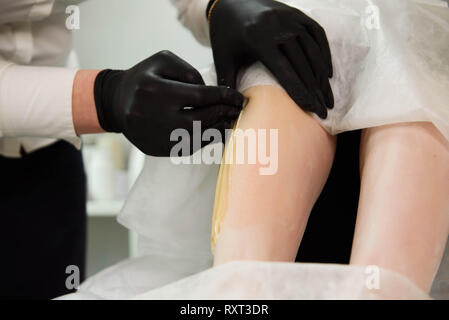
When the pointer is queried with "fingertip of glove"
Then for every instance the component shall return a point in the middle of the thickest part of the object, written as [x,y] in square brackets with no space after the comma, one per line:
[322,113]
[317,108]
[321,99]
[330,99]
[232,97]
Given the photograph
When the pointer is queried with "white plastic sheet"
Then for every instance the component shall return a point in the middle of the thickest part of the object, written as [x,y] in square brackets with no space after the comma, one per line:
[274,280]
[390,59]
[143,278]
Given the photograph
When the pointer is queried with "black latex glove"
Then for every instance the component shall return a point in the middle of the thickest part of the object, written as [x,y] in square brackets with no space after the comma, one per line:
[158,95]
[289,43]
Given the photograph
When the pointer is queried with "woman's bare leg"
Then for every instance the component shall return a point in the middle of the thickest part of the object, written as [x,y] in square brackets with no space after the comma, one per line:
[264,216]
[403,217]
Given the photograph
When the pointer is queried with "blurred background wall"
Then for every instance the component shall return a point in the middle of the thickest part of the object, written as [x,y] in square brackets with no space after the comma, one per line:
[118,34]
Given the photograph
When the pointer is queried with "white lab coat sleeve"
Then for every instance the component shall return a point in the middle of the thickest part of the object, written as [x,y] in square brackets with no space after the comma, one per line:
[14,11]
[36,102]
[192,14]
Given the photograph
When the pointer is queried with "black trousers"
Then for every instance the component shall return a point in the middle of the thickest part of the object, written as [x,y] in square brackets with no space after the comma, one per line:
[43,221]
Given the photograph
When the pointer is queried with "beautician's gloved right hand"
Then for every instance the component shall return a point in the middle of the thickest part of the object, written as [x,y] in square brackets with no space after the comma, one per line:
[147,102]
[288,42]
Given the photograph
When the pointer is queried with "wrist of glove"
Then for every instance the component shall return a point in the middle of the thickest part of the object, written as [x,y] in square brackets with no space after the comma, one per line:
[106,84]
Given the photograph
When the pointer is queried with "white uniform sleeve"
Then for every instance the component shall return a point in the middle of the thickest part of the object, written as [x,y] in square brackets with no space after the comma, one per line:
[36,102]
[14,11]
[192,14]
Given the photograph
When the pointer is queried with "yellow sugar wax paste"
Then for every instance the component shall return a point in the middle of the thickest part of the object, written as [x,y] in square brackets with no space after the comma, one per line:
[224,182]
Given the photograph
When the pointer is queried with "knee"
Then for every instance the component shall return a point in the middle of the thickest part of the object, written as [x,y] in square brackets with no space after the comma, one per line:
[408,133]
[414,140]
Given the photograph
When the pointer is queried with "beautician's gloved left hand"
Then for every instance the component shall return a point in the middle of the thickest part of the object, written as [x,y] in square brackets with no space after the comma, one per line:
[159,95]
[290,44]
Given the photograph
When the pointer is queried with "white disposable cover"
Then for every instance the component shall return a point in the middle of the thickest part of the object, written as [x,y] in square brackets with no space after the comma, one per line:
[392,69]
[390,59]
[274,280]
[147,278]
[170,207]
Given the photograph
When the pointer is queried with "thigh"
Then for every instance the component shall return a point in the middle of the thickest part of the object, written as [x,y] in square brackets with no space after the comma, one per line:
[265,215]
[403,217]
[42,205]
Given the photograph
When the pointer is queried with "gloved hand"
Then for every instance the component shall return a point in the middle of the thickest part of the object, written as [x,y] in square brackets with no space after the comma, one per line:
[289,43]
[158,95]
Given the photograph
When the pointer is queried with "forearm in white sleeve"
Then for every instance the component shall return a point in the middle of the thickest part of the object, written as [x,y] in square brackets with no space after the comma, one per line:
[192,14]
[36,102]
